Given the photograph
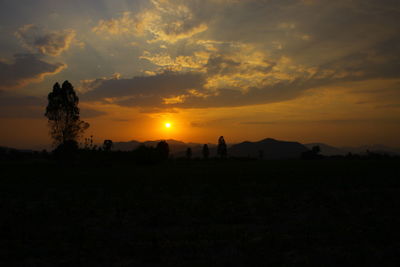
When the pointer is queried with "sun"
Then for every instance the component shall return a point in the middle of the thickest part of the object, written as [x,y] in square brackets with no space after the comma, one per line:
[168,125]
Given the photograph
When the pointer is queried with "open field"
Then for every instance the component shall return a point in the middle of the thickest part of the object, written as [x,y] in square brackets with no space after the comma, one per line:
[201,213]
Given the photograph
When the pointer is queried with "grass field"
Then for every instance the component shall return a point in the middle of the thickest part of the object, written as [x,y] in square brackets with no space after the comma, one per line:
[201,213]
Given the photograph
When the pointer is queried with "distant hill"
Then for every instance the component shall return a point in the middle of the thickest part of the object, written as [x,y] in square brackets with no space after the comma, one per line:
[328,150]
[177,148]
[174,145]
[272,149]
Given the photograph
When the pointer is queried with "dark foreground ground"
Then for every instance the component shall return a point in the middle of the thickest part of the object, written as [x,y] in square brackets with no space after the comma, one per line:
[230,213]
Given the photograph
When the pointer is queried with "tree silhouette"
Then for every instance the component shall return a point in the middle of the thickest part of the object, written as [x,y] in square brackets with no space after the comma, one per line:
[107,145]
[163,149]
[66,150]
[222,149]
[261,154]
[206,151]
[89,145]
[62,113]
[312,154]
[315,150]
[188,153]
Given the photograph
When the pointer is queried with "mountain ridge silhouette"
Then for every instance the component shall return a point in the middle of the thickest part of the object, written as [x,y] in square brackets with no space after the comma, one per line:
[272,148]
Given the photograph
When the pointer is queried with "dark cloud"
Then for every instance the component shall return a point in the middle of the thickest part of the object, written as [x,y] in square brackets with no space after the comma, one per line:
[151,91]
[254,96]
[218,64]
[48,43]
[379,62]
[259,51]
[25,69]
[146,90]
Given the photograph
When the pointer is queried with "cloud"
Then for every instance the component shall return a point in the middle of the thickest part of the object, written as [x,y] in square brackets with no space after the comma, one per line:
[242,63]
[166,20]
[145,90]
[91,84]
[126,24]
[197,61]
[26,68]
[52,43]
[192,90]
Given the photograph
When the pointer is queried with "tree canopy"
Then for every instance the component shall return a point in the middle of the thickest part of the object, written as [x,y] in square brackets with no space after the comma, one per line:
[206,151]
[222,148]
[63,116]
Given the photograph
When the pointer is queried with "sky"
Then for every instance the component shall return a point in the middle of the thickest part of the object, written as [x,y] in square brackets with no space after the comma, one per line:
[299,70]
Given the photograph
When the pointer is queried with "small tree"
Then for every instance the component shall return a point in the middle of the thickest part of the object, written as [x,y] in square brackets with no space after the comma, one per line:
[312,154]
[107,145]
[315,150]
[222,149]
[206,151]
[88,145]
[188,153]
[261,154]
[63,117]
[163,149]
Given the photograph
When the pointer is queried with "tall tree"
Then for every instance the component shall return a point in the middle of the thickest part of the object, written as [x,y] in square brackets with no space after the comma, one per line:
[222,150]
[62,113]
[188,153]
[206,151]
[163,150]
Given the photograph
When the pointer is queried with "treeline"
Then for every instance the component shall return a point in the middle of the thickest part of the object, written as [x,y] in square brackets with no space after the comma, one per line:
[148,155]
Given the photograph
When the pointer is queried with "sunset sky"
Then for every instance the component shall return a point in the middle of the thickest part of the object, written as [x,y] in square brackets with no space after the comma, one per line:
[300,70]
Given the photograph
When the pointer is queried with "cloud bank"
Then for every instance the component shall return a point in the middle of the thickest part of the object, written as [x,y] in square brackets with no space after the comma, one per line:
[25,69]
[250,52]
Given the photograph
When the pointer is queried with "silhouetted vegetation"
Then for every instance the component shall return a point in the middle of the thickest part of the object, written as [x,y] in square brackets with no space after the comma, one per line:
[146,155]
[63,117]
[312,154]
[163,150]
[261,154]
[222,149]
[107,145]
[206,151]
[66,150]
[189,153]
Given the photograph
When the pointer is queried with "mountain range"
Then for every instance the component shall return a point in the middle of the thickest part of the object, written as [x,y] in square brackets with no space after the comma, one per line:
[271,148]
[267,148]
